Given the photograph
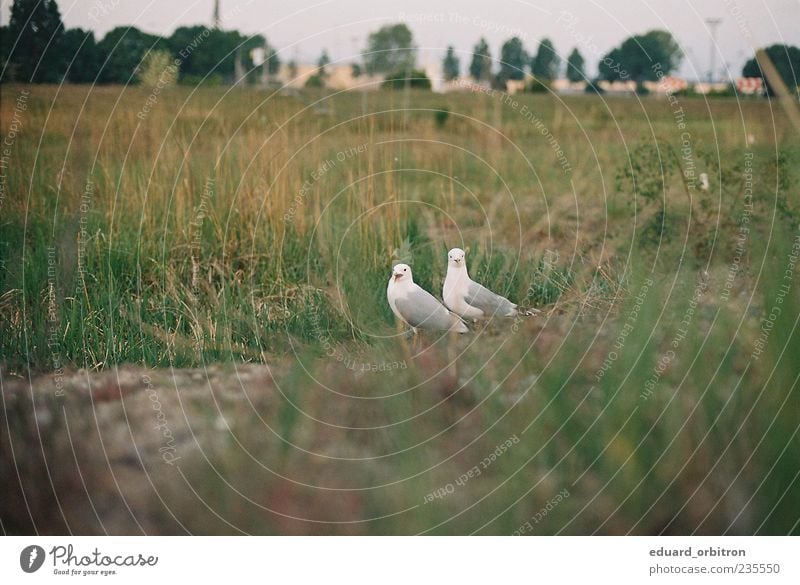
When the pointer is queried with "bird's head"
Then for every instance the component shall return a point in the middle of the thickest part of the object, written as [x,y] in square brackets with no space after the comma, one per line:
[402,273]
[455,258]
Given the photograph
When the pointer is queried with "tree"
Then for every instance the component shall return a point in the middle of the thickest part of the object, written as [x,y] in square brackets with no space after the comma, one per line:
[450,65]
[575,64]
[273,61]
[389,50]
[512,60]
[786,60]
[642,58]
[210,54]
[546,63]
[481,66]
[81,55]
[323,62]
[123,49]
[36,28]
[319,78]
[6,42]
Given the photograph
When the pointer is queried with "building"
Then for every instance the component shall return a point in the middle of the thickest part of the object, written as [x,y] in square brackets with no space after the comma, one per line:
[666,85]
[750,85]
[338,77]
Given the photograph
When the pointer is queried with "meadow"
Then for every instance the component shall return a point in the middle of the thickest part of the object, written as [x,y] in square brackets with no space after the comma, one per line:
[227,251]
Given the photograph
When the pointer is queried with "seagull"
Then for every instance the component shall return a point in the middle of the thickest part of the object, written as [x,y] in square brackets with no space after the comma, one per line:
[467,298]
[417,307]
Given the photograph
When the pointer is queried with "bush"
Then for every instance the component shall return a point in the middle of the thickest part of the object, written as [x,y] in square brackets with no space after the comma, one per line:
[538,86]
[315,81]
[417,79]
[441,116]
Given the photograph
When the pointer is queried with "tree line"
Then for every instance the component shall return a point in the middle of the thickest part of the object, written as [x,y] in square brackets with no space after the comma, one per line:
[638,58]
[35,47]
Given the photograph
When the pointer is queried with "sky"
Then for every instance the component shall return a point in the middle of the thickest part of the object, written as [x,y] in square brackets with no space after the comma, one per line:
[301,29]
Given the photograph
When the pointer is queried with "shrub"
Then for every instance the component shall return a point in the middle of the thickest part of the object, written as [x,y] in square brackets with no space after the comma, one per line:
[538,86]
[441,116]
[315,81]
[417,79]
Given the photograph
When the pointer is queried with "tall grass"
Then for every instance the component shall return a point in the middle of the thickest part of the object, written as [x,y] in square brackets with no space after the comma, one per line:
[655,390]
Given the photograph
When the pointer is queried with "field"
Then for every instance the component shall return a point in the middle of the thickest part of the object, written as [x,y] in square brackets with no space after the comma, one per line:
[194,333]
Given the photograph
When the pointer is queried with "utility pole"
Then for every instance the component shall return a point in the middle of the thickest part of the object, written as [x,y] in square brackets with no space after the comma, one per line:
[216,14]
[712,23]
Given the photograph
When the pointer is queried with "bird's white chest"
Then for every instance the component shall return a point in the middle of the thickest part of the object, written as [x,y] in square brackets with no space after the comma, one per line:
[393,292]
[454,293]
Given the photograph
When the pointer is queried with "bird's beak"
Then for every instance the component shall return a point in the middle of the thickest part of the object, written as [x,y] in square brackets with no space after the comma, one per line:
[397,276]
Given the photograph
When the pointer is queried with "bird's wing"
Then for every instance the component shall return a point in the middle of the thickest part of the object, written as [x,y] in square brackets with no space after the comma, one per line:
[490,303]
[421,309]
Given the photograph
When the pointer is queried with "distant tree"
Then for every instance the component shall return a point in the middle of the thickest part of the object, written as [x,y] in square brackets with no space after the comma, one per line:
[158,69]
[6,42]
[355,70]
[481,66]
[786,59]
[415,79]
[292,66]
[322,63]
[610,68]
[82,58]
[575,63]
[546,63]
[211,53]
[320,78]
[641,58]
[273,60]
[512,60]
[199,54]
[123,49]
[450,65]
[36,30]
[389,50]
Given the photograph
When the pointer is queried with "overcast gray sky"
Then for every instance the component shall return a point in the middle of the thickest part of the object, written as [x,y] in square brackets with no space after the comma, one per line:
[302,28]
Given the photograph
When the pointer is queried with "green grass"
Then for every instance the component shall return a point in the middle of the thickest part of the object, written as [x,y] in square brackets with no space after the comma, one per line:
[705,443]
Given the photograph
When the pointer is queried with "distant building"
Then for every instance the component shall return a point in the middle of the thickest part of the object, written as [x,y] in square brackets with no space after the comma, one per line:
[667,85]
[564,85]
[617,86]
[465,85]
[704,87]
[338,77]
[750,85]
[516,86]
[341,77]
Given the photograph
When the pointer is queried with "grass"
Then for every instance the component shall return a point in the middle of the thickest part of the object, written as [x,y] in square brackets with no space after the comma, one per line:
[233,227]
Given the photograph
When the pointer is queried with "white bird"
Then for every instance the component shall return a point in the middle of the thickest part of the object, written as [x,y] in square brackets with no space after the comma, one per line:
[467,298]
[417,307]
